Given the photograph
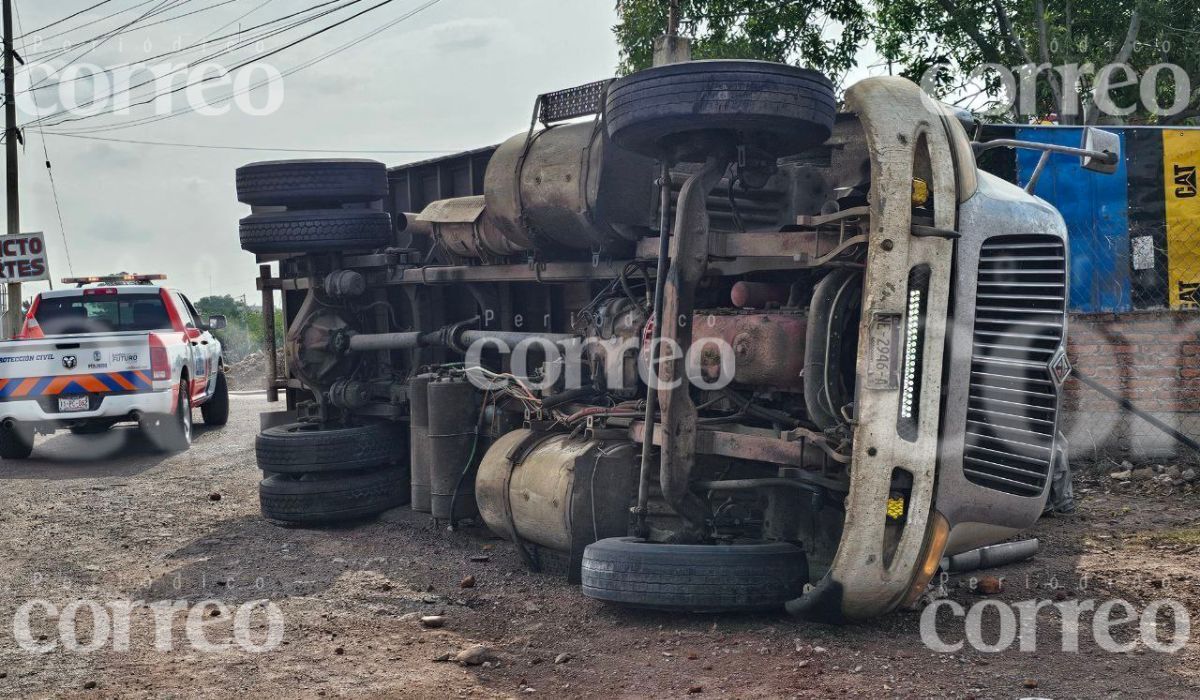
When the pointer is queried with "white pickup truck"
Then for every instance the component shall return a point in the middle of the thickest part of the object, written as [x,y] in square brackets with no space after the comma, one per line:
[113,349]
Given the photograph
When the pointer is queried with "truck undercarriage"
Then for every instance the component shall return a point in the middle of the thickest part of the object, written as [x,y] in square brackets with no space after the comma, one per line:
[700,341]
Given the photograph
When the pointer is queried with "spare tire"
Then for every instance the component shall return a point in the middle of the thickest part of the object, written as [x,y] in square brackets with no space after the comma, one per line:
[694,577]
[311,183]
[316,231]
[315,499]
[774,108]
[305,448]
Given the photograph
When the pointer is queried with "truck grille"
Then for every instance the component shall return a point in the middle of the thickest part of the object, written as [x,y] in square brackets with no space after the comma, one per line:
[1013,400]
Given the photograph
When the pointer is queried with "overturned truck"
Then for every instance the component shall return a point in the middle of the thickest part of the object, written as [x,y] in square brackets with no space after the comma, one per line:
[697,339]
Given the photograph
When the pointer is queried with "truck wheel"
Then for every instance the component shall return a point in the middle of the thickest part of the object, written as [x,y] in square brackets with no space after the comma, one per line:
[315,499]
[171,432]
[16,441]
[307,448]
[775,108]
[215,411]
[311,183]
[316,231]
[694,577]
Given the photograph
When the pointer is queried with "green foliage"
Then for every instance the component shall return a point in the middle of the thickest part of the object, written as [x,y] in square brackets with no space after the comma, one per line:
[824,35]
[244,332]
[915,35]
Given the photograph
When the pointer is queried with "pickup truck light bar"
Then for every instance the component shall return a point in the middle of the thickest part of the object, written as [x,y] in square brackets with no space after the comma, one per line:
[122,278]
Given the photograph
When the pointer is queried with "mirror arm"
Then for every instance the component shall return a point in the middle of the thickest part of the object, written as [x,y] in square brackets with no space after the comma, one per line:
[1102,156]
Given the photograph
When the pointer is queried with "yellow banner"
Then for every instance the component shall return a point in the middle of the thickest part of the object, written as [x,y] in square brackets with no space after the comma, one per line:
[1181,157]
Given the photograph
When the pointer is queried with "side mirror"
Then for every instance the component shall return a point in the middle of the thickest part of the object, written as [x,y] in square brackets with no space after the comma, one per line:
[216,322]
[1100,142]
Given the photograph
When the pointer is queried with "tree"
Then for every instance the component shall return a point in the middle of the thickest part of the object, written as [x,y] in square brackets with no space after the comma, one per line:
[822,34]
[1063,46]
[243,333]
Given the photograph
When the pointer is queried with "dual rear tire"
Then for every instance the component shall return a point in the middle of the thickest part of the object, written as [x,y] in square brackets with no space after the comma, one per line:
[317,476]
[315,206]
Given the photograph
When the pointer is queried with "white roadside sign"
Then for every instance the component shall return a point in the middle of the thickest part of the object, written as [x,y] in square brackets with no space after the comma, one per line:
[23,258]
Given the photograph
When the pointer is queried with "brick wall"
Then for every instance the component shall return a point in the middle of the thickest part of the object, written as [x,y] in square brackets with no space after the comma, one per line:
[1151,358]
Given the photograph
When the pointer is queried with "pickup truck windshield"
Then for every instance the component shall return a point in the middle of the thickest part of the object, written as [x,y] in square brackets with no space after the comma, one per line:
[102,313]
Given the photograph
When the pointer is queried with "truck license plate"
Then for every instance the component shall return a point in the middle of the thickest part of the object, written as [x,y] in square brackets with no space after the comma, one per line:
[67,404]
[883,362]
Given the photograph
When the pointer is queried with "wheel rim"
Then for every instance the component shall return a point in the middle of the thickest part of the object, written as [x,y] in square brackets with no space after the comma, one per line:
[185,417]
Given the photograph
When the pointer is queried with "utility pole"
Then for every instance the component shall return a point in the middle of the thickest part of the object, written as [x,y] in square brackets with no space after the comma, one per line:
[13,324]
[670,47]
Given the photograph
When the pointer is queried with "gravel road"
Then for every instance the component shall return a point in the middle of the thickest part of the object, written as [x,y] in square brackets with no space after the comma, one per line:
[107,519]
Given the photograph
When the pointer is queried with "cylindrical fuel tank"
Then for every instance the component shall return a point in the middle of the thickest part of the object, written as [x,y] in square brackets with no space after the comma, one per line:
[568,186]
[563,493]
[418,402]
[453,415]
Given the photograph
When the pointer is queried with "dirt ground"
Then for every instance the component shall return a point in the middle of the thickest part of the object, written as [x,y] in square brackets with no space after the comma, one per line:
[105,518]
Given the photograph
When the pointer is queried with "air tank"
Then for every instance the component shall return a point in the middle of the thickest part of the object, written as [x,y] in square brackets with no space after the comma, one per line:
[453,418]
[418,402]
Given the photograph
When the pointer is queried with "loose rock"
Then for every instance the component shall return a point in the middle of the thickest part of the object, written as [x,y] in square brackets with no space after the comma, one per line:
[467,582]
[562,658]
[433,621]
[989,585]
[473,656]
[1189,475]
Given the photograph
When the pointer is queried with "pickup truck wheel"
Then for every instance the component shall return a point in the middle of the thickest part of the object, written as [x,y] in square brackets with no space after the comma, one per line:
[171,432]
[215,411]
[308,183]
[316,499]
[773,108]
[307,448]
[316,231]
[693,577]
[16,441]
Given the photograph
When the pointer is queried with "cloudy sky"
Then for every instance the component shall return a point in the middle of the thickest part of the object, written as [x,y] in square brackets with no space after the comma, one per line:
[457,75]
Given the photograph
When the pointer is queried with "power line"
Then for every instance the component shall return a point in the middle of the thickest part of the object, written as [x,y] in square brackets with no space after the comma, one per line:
[201,44]
[236,67]
[208,146]
[64,19]
[295,69]
[60,51]
[239,45]
[104,39]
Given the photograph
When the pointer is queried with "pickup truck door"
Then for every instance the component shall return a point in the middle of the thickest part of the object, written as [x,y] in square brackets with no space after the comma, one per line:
[201,345]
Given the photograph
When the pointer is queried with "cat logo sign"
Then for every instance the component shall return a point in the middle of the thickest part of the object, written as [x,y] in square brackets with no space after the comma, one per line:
[1185,181]
[1181,155]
